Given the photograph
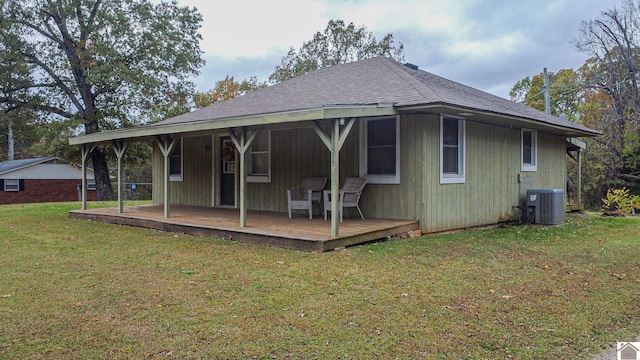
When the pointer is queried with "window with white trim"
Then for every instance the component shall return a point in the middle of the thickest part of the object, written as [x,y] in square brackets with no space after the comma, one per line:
[452,150]
[380,150]
[529,150]
[91,184]
[11,185]
[259,158]
[176,162]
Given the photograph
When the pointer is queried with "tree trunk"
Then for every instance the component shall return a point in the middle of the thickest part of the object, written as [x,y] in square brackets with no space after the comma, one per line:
[104,191]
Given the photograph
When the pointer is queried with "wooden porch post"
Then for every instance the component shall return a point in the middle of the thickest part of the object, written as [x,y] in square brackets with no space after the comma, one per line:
[166,145]
[120,147]
[579,170]
[242,143]
[335,179]
[334,144]
[85,150]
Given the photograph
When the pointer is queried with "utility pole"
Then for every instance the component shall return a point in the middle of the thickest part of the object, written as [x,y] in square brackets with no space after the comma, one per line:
[547,92]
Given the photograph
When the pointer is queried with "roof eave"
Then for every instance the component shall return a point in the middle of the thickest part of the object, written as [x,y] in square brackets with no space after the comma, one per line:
[151,131]
[43,160]
[498,118]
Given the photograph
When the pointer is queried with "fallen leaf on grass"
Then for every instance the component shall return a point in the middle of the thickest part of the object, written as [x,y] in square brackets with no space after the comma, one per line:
[618,276]
[507,296]
[6,296]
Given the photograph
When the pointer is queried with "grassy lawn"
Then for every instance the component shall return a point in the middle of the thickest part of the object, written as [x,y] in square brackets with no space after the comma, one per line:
[75,289]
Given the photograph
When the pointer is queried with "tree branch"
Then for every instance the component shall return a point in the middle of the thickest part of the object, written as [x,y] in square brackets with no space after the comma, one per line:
[35,60]
[36,106]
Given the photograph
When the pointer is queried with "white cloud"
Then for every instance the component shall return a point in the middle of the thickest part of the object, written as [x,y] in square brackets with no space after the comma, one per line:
[487,44]
[483,49]
[256,28]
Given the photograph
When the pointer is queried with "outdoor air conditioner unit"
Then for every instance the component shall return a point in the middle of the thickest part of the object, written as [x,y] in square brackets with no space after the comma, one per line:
[546,206]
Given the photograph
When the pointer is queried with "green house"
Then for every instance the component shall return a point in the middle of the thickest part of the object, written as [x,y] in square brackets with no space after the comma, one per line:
[432,150]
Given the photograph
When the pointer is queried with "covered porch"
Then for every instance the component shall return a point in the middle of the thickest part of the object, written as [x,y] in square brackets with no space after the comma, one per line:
[329,127]
[265,228]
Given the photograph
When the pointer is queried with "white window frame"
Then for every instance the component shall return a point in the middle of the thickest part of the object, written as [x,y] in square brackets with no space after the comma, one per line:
[176,176]
[378,178]
[259,178]
[11,184]
[533,166]
[91,184]
[458,178]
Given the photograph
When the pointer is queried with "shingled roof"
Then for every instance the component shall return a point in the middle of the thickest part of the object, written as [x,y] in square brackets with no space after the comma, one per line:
[12,165]
[378,80]
[371,87]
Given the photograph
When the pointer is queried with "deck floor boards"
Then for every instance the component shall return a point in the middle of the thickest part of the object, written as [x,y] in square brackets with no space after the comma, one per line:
[268,228]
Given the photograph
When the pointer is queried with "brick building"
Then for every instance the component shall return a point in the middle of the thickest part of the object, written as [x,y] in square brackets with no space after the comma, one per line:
[42,179]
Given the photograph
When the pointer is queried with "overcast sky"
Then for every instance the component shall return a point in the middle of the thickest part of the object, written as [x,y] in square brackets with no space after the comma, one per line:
[487,44]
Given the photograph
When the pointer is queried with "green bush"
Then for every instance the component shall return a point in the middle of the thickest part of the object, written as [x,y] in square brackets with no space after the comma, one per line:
[619,201]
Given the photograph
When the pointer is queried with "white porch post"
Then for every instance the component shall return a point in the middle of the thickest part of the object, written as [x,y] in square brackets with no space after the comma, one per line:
[242,143]
[334,144]
[166,145]
[120,147]
[85,150]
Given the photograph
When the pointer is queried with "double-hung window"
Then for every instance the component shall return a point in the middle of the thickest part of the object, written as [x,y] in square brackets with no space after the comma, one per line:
[529,150]
[380,150]
[176,162]
[259,158]
[452,150]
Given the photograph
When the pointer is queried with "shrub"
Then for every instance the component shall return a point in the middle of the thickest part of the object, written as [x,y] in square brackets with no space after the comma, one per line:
[619,202]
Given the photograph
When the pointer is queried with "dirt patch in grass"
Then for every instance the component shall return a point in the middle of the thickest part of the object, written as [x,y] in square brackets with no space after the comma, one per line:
[74,289]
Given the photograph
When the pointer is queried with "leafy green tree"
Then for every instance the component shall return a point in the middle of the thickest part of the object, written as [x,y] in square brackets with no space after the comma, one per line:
[105,64]
[565,92]
[611,74]
[337,44]
[227,89]
[14,73]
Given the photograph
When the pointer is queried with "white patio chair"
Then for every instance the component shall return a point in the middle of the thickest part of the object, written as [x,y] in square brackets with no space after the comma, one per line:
[310,191]
[349,196]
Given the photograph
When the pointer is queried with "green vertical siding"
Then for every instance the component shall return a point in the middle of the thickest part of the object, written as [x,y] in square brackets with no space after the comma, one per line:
[295,154]
[491,189]
[488,196]
[196,184]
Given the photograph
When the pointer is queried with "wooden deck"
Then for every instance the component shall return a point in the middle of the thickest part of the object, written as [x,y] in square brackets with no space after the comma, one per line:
[575,208]
[266,228]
